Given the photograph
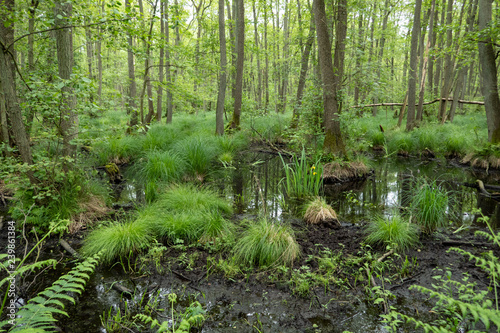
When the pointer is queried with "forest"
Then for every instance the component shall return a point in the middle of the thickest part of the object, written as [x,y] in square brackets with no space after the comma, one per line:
[261,166]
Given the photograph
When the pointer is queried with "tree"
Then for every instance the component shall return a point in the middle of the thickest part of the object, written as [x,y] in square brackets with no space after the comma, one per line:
[219,120]
[64,42]
[132,110]
[412,75]
[331,80]
[240,53]
[7,83]
[489,72]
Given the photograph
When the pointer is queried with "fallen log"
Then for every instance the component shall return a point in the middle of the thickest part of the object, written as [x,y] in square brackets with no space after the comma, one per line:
[426,103]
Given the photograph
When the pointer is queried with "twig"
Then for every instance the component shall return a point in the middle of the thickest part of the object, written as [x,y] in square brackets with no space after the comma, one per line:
[68,248]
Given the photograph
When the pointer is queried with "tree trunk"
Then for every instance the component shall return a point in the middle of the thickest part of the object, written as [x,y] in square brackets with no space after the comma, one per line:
[448,67]
[359,51]
[147,81]
[64,44]
[240,50]
[284,61]
[381,52]
[425,60]
[439,46]
[221,97]
[412,75]
[159,93]
[259,73]
[489,73]
[31,58]
[303,73]
[168,73]
[331,80]
[131,109]
[266,72]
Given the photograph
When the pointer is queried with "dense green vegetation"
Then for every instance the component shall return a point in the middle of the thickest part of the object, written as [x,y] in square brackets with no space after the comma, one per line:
[97,93]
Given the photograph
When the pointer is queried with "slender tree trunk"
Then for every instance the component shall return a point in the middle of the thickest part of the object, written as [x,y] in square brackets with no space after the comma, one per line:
[240,50]
[489,74]
[412,75]
[159,93]
[266,72]
[359,52]
[448,67]
[331,80]
[381,52]
[439,46]
[425,60]
[147,80]
[99,59]
[432,39]
[259,73]
[219,119]
[31,58]
[284,62]
[64,44]
[168,73]
[303,73]
[132,109]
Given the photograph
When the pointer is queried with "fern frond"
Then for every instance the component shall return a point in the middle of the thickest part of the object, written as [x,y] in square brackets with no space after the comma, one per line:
[24,269]
[37,315]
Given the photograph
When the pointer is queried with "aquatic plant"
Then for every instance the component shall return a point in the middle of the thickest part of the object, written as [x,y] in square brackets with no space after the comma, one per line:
[159,165]
[185,226]
[396,232]
[198,153]
[117,240]
[266,243]
[318,210]
[187,197]
[301,180]
[119,150]
[160,136]
[428,206]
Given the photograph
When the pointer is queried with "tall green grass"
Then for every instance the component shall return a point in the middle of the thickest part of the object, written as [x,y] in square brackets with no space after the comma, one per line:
[267,244]
[161,136]
[187,197]
[301,180]
[198,152]
[429,204]
[396,232]
[161,166]
[117,240]
[119,150]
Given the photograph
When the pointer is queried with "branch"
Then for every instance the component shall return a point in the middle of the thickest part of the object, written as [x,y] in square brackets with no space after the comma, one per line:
[64,27]
[426,103]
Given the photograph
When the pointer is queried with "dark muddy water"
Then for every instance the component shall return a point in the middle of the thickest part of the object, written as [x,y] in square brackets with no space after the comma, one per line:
[253,184]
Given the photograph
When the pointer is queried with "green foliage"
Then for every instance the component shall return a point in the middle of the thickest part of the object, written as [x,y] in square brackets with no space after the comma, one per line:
[267,244]
[428,206]
[187,197]
[395,232]
[161,137]
[459,304]
[157,166]
[38,314]
[301,180]
[117,240]
[119,150]
[198,152]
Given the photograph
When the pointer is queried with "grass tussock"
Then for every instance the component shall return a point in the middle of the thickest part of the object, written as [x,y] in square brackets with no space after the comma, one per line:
[337,171]
[267,244]
[159,165]
[485,157]
[396,232]
[117,240]
[198,153]
[318,211]
[429,204]
[119,150]
[187,197]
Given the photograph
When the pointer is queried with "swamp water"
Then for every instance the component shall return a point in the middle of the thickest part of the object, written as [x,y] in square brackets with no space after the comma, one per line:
[253,184]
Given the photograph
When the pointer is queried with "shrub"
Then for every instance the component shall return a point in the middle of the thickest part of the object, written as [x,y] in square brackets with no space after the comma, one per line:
[267,244]
[428,206]
[117,240]
[318,210]
[396,232]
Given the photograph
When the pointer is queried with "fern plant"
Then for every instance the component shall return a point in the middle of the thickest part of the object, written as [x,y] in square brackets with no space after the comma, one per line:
[465,306]
[38,314]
